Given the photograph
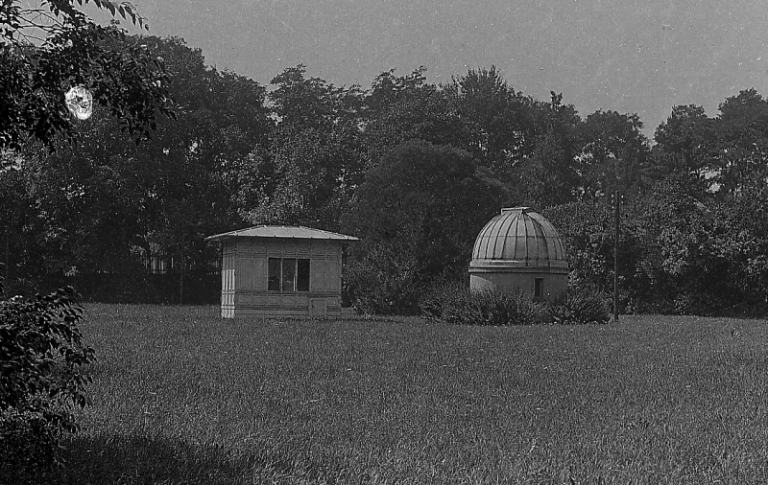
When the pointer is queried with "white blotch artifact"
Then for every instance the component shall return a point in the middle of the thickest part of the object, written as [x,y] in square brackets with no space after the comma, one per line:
[79,102]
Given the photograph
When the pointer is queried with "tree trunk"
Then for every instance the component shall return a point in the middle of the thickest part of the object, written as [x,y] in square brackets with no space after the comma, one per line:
[6,264]
[617,229]
[181,278]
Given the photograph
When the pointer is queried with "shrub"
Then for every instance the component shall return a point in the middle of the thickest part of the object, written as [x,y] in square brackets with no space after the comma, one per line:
[434,300]
[41,383]
[579,308]
[373,290]
[455,304]
[28,446]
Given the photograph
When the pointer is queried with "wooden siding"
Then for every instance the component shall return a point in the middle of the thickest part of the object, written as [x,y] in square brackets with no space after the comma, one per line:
[245,278]
[228,281]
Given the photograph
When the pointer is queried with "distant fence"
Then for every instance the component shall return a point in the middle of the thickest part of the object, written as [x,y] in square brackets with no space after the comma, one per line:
[198,289]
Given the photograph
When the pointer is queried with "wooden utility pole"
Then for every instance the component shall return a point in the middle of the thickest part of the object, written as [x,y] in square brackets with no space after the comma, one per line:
[616,220]
[6,265]
[181,278]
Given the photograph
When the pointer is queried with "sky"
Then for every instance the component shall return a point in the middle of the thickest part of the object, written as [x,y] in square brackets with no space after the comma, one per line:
[632,56]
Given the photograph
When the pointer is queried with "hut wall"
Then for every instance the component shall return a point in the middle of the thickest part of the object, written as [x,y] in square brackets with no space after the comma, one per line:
[553,285]
[228,282]
[252,296]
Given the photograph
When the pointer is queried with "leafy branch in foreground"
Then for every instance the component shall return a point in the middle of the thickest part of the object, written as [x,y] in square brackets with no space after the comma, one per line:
[41,377]
[45,51]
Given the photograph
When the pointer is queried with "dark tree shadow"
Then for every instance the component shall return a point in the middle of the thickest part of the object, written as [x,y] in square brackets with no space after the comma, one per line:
[146,460]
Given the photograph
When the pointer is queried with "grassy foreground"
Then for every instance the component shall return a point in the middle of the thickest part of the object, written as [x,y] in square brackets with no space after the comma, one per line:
[180,396]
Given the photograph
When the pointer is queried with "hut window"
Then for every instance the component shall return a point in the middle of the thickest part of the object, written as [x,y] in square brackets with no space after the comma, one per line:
[538,283]
[288,275]
[273,283]
[302,275]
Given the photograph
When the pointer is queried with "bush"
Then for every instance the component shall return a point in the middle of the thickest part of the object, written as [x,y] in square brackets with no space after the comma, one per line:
[434,300]
[455,304]
[29,446]
[373,290]
[41,383]
[579,308]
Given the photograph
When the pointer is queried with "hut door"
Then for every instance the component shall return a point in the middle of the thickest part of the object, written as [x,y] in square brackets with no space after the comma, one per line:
[317,307]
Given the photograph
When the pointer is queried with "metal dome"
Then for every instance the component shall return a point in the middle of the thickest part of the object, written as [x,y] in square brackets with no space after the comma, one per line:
[519,238]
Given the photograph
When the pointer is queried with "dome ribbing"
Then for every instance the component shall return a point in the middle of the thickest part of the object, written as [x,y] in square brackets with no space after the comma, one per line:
[519,238]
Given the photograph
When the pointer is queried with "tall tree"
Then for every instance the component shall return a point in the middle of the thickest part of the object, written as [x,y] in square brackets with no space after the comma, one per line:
[741,154]
[315,160]
[549,174]
[311,103]
[110,203]
[683,141]
[504,125]
[404,108]
[40,365]
[614,153]
[417,214]
[45,49]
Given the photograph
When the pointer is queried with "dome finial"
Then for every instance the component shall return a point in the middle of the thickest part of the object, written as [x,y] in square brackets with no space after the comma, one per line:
[521,209]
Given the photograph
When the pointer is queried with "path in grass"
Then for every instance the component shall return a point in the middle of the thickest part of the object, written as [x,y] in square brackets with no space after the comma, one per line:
[182,396]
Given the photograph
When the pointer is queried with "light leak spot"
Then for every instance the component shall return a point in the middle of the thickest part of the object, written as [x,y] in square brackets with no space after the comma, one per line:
[79,102]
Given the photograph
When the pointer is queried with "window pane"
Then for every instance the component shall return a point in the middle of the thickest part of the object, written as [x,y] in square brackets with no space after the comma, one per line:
[273,283]
[538,282]
[302,277]
[289,274]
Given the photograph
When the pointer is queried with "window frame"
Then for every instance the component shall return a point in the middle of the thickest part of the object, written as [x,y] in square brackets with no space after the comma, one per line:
[270,276]
[280,277]
[299,274]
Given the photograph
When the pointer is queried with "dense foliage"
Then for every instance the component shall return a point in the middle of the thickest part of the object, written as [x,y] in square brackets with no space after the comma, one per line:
[49,46]
[412,167]
[42,380]
[46,48]
[416,212]
[579,307]
[454,303]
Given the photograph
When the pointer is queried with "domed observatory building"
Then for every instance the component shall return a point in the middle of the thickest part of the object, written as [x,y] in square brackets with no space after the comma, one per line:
[519,251]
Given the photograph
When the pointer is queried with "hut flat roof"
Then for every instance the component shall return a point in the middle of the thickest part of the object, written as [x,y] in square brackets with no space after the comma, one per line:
[284,232]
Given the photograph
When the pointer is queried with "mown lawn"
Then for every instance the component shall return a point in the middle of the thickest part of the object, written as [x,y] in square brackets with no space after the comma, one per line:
[180,396]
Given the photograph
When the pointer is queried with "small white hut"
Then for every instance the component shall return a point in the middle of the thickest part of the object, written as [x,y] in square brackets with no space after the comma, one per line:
[288,271]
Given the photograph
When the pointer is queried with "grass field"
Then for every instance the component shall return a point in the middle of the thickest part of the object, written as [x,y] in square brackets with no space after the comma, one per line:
[180,396]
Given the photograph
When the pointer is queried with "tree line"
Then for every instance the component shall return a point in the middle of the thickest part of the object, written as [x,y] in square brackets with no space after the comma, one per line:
[413,168]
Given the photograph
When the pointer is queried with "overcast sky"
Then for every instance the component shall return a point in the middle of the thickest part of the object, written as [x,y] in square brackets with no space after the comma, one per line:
[638,56]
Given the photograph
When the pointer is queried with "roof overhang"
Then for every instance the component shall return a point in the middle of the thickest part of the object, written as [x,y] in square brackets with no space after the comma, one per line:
[282,232]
